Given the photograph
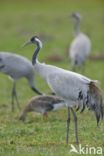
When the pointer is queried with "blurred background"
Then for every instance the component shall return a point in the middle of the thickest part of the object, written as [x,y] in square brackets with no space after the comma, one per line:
[51,22]
[20,20]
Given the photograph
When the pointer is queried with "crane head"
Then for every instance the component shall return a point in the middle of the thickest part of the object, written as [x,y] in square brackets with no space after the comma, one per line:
[34,40]
[76,16]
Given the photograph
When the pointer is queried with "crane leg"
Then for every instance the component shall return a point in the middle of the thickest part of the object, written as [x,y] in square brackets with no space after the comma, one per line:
[12,102]
[76,126]
[14,96]
[68,124]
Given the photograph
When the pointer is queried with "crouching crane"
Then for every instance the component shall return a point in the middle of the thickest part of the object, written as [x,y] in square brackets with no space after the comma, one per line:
[17,67]
[43,105]
[74,88]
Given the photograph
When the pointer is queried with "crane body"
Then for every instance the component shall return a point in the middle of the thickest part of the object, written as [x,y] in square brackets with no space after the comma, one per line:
[79,50]
[80,47]
[17,67]
[74,88]
[43,105]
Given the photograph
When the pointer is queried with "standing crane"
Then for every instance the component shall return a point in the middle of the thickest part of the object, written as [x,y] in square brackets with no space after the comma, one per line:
[42,104]
[74,88]
[17,67]
[81,45]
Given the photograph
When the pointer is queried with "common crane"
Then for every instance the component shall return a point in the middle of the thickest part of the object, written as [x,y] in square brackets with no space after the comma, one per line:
[74,88]
[17,67]
[81,45]
[42,104]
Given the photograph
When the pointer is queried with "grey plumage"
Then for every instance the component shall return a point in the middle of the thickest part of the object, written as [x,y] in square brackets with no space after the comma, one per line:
[42,104]
[81,45]
[17,67]
[74,88]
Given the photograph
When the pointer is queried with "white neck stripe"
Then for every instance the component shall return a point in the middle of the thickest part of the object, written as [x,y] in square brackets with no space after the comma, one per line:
[40,43]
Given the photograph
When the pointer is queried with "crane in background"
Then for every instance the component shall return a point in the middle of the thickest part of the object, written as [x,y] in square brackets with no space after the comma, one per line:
[80,47]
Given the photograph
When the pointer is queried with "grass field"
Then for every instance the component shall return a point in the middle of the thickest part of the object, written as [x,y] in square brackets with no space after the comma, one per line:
[19,20]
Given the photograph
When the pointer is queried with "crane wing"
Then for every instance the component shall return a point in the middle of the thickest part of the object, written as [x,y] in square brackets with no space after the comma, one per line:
[68,84]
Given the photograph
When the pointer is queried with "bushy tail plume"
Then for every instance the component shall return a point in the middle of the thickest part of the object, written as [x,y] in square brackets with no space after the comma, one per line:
[95,101]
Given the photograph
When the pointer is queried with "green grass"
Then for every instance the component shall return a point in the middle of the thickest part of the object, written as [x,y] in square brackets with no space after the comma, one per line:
[19,20]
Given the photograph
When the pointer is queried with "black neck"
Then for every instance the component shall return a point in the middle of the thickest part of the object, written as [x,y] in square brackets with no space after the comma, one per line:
[34,58]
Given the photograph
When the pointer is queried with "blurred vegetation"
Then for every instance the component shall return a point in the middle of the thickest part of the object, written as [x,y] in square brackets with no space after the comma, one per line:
[19,20]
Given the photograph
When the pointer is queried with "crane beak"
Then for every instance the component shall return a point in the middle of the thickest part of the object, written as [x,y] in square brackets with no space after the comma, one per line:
[25,44]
